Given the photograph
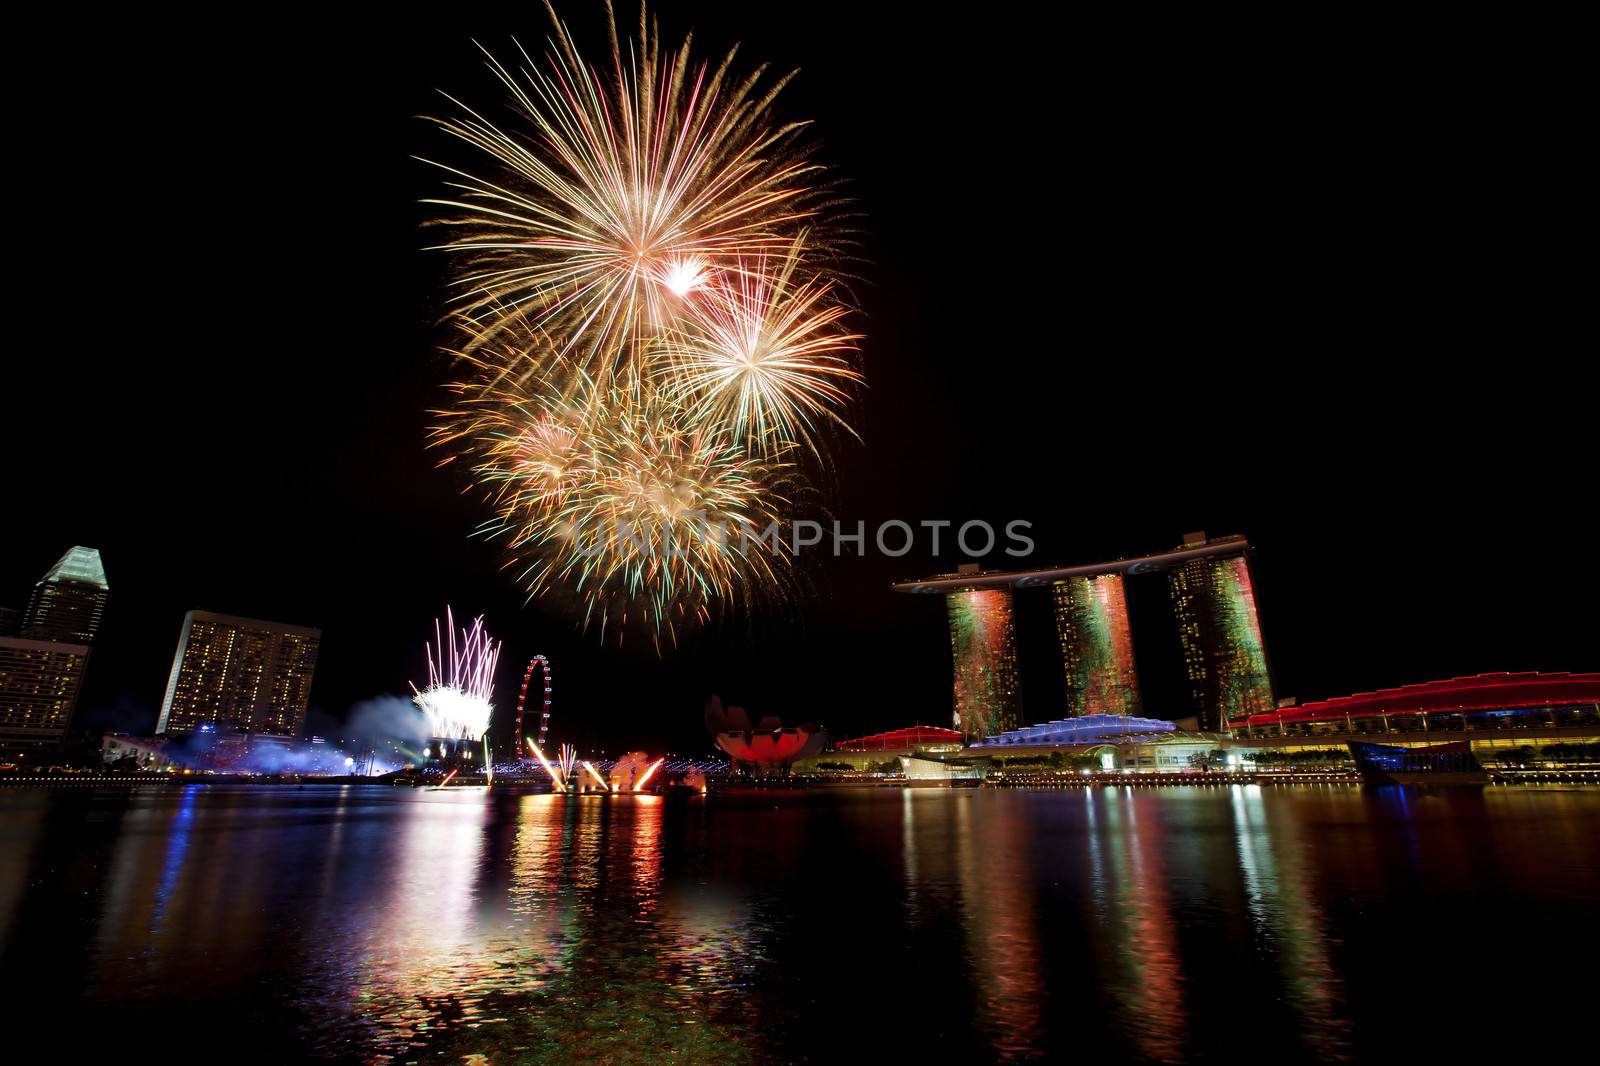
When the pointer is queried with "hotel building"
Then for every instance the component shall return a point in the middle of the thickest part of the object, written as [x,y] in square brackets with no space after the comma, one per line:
[239,675]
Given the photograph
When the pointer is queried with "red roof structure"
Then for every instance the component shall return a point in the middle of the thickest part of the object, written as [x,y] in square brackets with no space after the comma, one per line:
[917,736]
[1482,692]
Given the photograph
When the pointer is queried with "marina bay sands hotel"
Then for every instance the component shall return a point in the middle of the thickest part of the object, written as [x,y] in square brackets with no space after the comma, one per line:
[1212,598]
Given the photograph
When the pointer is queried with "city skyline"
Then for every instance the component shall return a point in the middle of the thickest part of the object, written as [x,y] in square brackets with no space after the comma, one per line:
[326,506]
[1217,694]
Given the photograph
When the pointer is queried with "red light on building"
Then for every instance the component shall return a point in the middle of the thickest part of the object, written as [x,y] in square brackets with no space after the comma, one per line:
[1483,692]
[918,736]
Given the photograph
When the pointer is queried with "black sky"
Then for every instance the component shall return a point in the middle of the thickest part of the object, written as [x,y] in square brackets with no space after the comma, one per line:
[1311,283]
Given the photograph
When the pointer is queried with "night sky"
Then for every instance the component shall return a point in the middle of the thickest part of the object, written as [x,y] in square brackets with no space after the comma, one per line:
[1307,283]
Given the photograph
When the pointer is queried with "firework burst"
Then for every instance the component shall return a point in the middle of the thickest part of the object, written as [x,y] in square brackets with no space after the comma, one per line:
[460,686]
[621,187]
[676,517]
[651,338]
[669,518]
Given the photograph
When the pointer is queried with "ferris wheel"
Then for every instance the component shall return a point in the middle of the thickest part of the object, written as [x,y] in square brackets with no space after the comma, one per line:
[540,663]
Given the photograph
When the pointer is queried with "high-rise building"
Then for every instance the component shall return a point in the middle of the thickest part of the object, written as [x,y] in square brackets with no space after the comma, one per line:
[983,644]
[1223,652]
[39,683]
[1214,601]
[44,650]
[1096,645]
[69,601]
[239,675]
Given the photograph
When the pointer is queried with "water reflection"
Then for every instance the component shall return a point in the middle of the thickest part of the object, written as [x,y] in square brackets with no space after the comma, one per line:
[645,860]
[22,822]
[1275,859]
[384,925]
[1000,919]
[1136,941]
[177,848]
[574,941]
[965,862]
[146,866]
[426,960]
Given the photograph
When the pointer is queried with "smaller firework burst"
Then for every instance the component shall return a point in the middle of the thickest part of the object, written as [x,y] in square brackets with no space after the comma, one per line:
[460,680]
[623,500]
[764,355]
[671,518]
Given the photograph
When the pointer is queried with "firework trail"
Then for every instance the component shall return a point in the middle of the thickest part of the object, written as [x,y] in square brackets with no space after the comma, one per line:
[605,786]
[460,680]
[559,780]
[651,336]
[638,786]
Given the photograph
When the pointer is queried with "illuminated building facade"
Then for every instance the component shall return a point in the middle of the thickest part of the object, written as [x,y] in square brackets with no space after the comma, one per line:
[39,682]
[1223,653]
[136,753]
[1529,725]
[983,646]
[45,649]
[909,739]
[870,753]
[1119,741]
[1482,703]
[69,601]
[239,675]
[768,746]
[1225,657]
[1080,730]
[1096,645]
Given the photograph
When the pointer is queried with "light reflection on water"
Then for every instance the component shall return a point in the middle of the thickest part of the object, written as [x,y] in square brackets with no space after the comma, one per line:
[1286,916]
[530,947]
[376,925]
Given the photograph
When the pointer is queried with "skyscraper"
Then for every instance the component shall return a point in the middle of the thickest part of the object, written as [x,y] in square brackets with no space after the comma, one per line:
[983,645]
[239,675]
[1213,598]
[1223,652]
[69,601]
[42,665]
[1096,645]
[39,683]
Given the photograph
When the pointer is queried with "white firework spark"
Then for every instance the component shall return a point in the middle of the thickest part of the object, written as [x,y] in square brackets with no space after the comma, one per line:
[460,688]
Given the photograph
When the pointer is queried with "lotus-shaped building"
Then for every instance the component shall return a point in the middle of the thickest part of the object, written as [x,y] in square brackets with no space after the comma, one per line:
[768,746]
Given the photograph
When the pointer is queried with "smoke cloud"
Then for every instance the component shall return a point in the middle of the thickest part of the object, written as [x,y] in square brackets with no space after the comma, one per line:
[376,722]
